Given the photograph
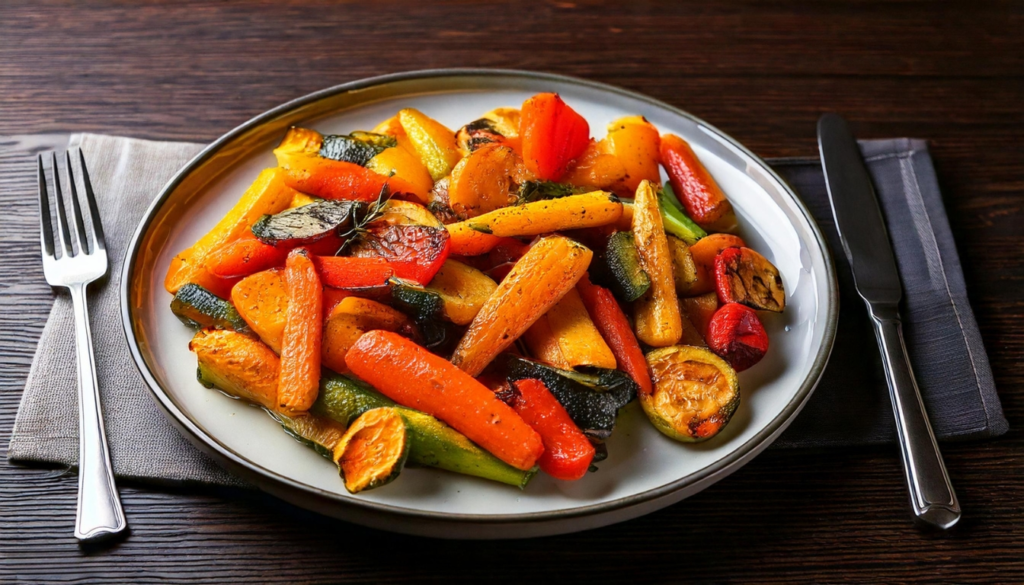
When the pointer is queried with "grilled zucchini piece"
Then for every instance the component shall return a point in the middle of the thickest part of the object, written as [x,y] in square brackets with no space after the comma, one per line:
[618,268]
[373,450]
[695,393]
[197,307]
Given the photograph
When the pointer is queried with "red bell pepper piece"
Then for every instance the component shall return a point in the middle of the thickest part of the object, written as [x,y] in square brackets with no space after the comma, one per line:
[737,335]
[414,252]
[553,135]
[617,333]
[353,274]
[567,451]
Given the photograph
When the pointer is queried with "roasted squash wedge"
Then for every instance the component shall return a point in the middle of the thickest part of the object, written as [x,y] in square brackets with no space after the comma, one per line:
[635,142]
[566,337]
[695,393]
[238,365]
[434,143]
[262,301]
[487,179]
[463,290]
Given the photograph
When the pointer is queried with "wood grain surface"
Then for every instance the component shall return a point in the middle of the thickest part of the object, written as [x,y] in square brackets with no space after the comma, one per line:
[952,72]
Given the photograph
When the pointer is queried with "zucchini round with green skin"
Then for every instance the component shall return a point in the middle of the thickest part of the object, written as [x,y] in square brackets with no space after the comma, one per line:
[197,307]
[307,224]
[373,450]
[592,397]
[695,393]
[434,444]
[618,268]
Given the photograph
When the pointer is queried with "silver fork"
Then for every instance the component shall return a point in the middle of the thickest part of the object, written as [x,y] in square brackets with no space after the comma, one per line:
[74,267]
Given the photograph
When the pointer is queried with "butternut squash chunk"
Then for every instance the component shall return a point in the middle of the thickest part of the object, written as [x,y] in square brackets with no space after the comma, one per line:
[434,143]
[463,289]
[578,340]
[262,301]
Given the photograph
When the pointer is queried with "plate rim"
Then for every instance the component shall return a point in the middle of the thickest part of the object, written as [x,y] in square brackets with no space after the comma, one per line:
[199,436]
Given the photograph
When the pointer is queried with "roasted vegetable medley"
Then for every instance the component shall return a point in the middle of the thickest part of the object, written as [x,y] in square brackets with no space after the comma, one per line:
[482,301]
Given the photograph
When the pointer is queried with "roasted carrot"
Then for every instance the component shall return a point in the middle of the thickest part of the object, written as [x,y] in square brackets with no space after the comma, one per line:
[704,253]
[567,451]
[553,135]
[334,179]
[539,280]
[413,377]
[551,215]
[353,274]
[657,311]
[268,194]
[300,346]
[697,190]
[573,333]
[243,257]
[615,327]
[466,241]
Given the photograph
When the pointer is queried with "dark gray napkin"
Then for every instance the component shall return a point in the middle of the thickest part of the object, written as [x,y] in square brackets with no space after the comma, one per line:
[851,405]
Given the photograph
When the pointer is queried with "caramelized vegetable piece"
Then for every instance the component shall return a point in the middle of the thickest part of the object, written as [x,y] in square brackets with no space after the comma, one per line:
[553,135]
[616,330]
[434,143]
[433,385]
[693,184]
[596,168]
[301,343]
[634,142]
[699,310]
[244,256]
[704,253]
[567,451]
[657,311]
[618,267]
[463,289]
[486,180]
[737,335]
[349,321]
[478,134]
[542,217]
[373,450]
[262,300]
[354,274]
[412,241]
[403,164]
[569,337]
[300,141]
[197,307]
[393,127]
[746,277]
[237,364]
[310,223]
[684,270]
[466,241]
[357,147]
[548,271]
[505,121]
[268,194]
[333,179]
[695,393]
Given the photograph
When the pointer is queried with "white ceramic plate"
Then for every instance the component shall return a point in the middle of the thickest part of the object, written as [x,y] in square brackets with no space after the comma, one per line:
[645,470]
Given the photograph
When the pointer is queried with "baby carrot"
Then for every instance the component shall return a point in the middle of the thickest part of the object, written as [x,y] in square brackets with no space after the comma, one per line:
[300,348]
[413,377]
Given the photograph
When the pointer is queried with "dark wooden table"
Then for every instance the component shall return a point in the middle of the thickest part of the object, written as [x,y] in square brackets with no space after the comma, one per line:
[761,71]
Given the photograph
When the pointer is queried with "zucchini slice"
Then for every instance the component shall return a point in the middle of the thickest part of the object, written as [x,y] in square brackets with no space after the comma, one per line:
[424,307]
[695,393]
[316,432]
[238,365]
[618,268]
[197,307]
[307,224]
[592,397]
[357,147]
[373,450]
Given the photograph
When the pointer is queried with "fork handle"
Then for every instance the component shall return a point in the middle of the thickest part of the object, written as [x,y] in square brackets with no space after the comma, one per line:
[99,508]
[932,498]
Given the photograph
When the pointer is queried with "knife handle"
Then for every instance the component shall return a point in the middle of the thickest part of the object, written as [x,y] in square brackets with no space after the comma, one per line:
[932,498]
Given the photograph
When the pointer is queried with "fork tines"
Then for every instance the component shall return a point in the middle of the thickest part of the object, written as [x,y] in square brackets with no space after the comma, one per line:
[82,243]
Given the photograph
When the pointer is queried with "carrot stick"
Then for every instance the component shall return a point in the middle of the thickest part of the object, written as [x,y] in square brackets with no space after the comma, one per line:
[539,280]
[466,241]
[550,215]
[413,377]
[567,451]
[300,348]
[244,256]
[614,326]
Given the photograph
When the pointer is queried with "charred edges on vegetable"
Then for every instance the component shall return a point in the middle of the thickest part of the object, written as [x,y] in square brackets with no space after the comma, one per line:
[357,148]
[537,190]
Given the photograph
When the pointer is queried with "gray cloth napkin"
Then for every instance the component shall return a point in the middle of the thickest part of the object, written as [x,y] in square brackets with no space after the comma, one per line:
[850,406]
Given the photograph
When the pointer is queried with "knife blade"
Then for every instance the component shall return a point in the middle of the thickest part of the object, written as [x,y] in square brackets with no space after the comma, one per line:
[865,239]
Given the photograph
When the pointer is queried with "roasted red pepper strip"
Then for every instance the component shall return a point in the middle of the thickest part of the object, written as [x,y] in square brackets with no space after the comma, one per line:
[567,451]
[553,135]
[349,273]
[415,252]
[737,335]
[616,330]
[247,255]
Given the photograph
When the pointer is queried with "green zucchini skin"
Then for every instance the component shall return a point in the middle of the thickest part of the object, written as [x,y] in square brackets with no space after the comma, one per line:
[592,397]
[675,219]
[197,307]
[618,268]
[304,225]
[433,443]
[309,431]
[531,191]
[356,148]
[426,308]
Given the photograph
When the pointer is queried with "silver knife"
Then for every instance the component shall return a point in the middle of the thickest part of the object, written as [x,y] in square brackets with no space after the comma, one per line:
[866,243]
